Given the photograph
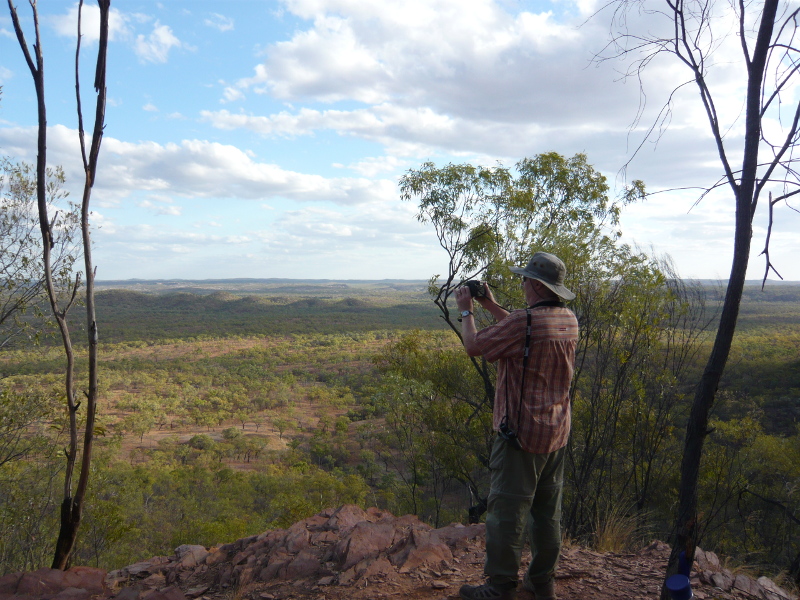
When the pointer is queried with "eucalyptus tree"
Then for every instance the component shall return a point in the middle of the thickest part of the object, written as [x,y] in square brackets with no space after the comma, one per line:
[636,318]
[73,493]
[756,154]
[22,278]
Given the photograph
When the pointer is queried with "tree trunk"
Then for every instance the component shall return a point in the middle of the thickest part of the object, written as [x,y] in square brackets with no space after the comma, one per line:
[746,196]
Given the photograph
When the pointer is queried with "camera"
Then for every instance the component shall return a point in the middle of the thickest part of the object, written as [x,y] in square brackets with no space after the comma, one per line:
[477,289]
[509,435]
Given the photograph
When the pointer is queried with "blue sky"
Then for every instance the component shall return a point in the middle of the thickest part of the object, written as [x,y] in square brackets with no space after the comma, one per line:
[256,138]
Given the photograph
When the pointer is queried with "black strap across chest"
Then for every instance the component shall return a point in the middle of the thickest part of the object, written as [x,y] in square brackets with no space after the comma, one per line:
[525,356]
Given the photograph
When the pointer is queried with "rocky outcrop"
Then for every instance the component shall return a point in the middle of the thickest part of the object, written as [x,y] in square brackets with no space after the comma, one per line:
[352,554]
[78,583]
[341,546]
[708,570]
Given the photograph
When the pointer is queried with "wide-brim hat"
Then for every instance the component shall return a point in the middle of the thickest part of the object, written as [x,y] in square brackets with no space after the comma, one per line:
[550,270]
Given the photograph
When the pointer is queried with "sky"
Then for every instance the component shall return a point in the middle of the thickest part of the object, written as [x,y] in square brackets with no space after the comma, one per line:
[256,138]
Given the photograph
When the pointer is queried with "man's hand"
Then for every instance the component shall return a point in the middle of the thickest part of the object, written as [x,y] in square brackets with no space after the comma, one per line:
[464,302]
[487,300]
[463,299]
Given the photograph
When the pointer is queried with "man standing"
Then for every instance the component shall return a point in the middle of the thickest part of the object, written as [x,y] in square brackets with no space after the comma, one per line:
[535,354]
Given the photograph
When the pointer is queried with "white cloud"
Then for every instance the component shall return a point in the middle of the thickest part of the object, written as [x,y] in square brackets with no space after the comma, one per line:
[193,168]
[150,107]
[5,74]
[441,77]
[419,133]
[67,24]
[373,166]
[220,22]
[6,33]
[155,237]
[231,94]
[161,205]
[412,50]
[378,227]
[155,47]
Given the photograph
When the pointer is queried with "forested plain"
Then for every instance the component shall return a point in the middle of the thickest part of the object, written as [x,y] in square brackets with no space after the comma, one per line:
[231,407]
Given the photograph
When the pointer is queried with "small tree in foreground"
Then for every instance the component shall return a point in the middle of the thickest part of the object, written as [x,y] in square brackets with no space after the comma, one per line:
[640,326]
[73,494]
[22,281]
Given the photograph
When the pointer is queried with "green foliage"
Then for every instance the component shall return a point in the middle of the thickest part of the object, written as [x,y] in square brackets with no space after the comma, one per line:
[25,419]
[640,326]
[28,513]
[749,489]
[28,470]
[397,419]
[148,510]
[22,279]
[130,316]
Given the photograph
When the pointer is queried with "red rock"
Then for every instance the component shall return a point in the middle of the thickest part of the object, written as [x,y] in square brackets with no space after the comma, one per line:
[272,571]
[4,596]
[116,578]
[656,548]
[241,557]
[316,522]
[154,565]
[410,521]
[345,518]
[458,534]
[707,577]
[433,555]
[745,584]
[168,593]
[366,540]
[73,593]
[347,577]
[216,557]
[243,576]
[224,576]
[771,590]
[196,591]
[195,550]
[156,580]
[304,564]
[324,537]
[711,560]
[86,578]
[297,539]
[722,581]
[128,593]
[42,582]
[380,567]
[8,583]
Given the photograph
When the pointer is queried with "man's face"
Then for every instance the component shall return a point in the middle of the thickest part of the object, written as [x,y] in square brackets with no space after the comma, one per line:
[534,291]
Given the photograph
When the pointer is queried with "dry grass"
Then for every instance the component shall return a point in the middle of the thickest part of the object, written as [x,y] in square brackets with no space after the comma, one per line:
[618,530]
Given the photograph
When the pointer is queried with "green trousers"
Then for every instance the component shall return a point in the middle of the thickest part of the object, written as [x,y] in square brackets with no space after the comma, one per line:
[524,498]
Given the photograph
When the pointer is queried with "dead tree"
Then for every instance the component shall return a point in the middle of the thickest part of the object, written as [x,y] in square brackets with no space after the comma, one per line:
[695,30]
[73,494]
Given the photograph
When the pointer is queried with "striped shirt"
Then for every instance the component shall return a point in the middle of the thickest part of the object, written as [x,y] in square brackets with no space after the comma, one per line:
[543,423]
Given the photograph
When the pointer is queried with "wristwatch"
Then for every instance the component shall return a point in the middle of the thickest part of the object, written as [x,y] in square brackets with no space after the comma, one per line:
[465,314]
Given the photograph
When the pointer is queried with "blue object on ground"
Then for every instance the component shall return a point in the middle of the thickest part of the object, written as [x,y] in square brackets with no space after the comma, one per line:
[679,587]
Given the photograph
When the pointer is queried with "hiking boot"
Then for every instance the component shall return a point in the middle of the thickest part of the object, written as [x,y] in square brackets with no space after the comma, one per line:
[487,591]
[542,591]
